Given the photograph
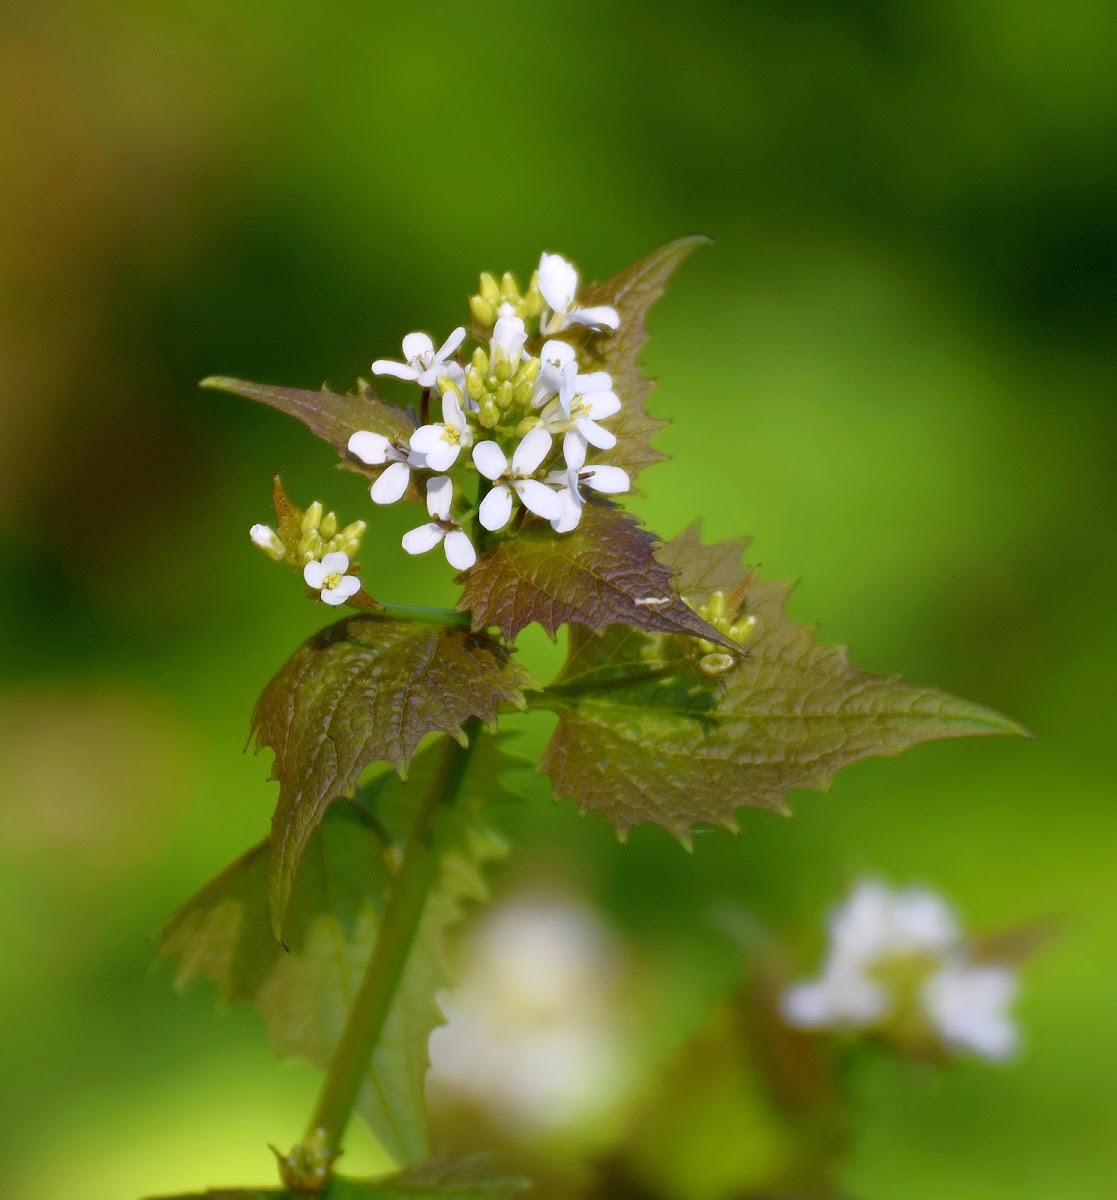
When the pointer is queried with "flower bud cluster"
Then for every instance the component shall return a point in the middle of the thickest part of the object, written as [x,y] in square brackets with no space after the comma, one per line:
[723,612]
[316,547]
[519,418]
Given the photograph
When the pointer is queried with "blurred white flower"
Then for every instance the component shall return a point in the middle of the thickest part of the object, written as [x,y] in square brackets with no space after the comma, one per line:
[424,364]
[898,957]
[330,578]
[558,283]
[533,1035]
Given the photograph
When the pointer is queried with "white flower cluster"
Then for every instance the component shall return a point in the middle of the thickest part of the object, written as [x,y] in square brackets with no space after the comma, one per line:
[897,963]
[502,413]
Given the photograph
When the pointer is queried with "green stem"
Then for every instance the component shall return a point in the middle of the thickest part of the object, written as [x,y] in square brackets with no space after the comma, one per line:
[402,917]
[419,612]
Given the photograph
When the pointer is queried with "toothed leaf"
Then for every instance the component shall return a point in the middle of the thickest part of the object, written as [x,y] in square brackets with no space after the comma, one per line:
[367,689]
[644,735]
[603,573]
[632,293]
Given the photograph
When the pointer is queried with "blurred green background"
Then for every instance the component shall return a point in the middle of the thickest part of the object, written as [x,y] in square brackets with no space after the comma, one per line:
[895,369]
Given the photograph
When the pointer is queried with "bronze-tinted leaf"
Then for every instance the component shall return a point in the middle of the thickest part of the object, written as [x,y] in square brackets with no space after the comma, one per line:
[632,293]
[669,745]
[367,689]
[304,993]
[333,417]
[439,1179]
[603,573]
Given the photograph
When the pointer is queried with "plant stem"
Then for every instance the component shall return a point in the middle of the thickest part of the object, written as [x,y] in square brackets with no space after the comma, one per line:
[402,917]
[420,612]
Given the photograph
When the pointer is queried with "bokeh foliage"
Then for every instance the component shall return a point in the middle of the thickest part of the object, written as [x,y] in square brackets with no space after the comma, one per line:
[894,370]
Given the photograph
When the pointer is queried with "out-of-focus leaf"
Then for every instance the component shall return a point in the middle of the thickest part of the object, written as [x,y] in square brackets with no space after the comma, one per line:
[669,745]
[304,993]
[333,417]
[439,1179]
[367,689]
[632,293]
[603,573]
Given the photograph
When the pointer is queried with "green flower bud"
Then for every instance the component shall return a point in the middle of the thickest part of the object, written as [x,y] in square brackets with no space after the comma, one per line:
[717,663]
[509,288]
[474,384]
[328,527]
[490,290]
[532,304]
[481,361]
[529,370]
[525,389]
[489,416]
[483,312]
[502,368]
[526,425]
[312,518]
[505,394]
[745,628]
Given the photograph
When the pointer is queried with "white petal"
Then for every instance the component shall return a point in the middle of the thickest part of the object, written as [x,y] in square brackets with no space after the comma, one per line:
[428,437]
[443,457]
[422,539]
[417,345]
[556,354]
[595,381]
[535,447]
[496,508]
[451,343]
[392,484]
[452,413]
[572,503]
[371,448]
[459,550]
[346,587]
[314,573]
[574,450]
[509,335]
[440,495]
[924,920]
[596,434]
[490,460]
[558,281]
[610,480]
[385,366]
[266,538]
[601,404]
[336,563]
[539,498]
[600,316]
[452,371]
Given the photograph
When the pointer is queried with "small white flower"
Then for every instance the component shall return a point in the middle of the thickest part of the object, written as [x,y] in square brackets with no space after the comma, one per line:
[555,359]
[509,336]
[496,508]
[269,541]
[608,480]
[583,401]
[460,553]
[330,578]
[890,949]
[558,283]
[441,444]
[424,364]
[375,450]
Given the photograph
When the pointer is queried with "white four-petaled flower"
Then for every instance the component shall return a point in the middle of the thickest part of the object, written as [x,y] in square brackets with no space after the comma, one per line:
[515,477]
[330,578]
[509,336]
[375,450]
[882,942]
[558,284]
[441,444]
[585,400]
[455,541]
[608,480]
[424,364]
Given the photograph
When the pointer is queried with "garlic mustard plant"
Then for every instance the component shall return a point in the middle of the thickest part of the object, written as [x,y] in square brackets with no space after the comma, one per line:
[687,697]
